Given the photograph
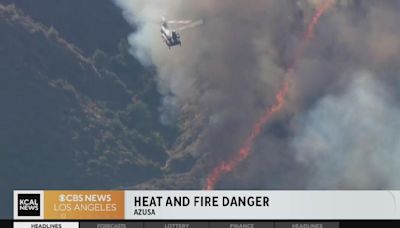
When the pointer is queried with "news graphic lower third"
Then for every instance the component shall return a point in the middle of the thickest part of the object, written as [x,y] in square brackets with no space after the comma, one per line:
[203,209]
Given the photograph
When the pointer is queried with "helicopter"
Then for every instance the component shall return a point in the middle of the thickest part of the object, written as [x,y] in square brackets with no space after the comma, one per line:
[171,37]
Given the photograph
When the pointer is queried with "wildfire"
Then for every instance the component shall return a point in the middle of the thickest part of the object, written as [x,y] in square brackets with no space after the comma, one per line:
[314,20]
[230,164]
[244,152]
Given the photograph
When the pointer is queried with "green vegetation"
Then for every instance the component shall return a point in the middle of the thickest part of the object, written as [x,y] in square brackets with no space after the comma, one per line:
[89,24]
[68,120]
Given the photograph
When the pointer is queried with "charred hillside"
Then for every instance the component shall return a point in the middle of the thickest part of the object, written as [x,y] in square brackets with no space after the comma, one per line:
[71,121]
[89,24]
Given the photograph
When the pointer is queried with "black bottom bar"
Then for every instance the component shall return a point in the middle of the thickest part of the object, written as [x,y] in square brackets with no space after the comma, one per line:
[6,224]
[376,224]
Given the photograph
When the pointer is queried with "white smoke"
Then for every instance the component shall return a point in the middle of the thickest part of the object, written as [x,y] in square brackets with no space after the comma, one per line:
[227,69]
[339,131]
[148,46]
[352,140]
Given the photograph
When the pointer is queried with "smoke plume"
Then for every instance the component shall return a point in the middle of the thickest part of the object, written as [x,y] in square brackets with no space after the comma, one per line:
[227,70]
[352,140]
[230,69]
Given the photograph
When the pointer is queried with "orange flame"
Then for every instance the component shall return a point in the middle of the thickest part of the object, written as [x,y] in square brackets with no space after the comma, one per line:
[314,20]
[245,150]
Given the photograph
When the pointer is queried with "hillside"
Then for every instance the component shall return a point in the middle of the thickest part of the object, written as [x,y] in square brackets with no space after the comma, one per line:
[89,24]
[71,121]
[80,111]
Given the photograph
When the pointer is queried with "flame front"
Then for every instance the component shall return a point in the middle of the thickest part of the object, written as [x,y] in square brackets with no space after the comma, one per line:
[230,164]
[244,152]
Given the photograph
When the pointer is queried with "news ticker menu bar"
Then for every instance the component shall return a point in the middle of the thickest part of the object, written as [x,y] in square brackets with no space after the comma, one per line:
[206,205]
[219,224]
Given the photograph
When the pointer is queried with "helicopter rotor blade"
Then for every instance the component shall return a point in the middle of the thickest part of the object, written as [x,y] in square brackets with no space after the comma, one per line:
[180,22]
[191,25]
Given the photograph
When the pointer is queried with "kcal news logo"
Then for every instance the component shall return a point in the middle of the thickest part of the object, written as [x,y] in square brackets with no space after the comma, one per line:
[28,204]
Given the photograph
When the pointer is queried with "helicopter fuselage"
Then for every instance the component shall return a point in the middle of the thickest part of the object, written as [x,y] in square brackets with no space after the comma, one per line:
[171,38]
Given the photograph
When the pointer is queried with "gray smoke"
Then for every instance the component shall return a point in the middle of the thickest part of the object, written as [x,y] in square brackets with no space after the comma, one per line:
[345,130]
[227,70]
[352,140]
[338,128]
